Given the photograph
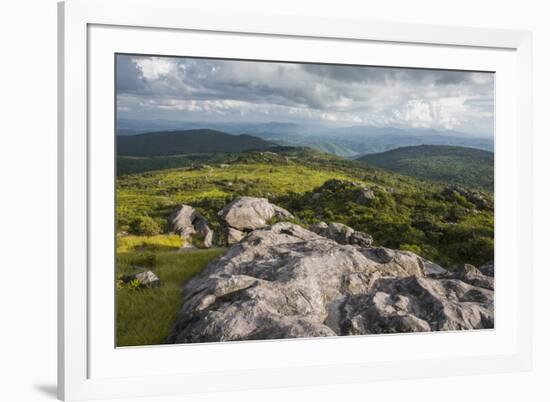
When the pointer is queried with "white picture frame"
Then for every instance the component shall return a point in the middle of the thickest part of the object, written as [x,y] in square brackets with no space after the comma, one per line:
[89,368]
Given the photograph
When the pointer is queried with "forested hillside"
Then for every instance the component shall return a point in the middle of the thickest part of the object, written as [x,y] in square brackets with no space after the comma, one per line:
[445,164]
[187,142]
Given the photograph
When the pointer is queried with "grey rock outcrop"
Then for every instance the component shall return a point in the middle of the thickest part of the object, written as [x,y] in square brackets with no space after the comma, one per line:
[474,197]
[364,195]
[188,223]
[414,304]
[342,234]
[339,185]
[284,281]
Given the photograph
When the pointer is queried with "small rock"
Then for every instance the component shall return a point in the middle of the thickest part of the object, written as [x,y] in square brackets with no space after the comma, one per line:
[365,196]
[147,279]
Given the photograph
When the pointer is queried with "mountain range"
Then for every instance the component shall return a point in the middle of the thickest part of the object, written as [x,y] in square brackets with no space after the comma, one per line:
[351,141]
[437,163]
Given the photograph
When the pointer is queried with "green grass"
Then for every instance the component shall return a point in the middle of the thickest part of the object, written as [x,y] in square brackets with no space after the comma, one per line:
[156,193]
[146,316]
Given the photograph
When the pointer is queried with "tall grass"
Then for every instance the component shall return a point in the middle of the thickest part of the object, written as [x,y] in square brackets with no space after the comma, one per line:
[146,316]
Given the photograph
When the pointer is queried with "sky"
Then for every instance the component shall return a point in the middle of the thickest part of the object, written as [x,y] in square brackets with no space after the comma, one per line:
[213,90]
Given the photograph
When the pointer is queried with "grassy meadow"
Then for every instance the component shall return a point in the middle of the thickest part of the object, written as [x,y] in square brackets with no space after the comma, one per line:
[407,214]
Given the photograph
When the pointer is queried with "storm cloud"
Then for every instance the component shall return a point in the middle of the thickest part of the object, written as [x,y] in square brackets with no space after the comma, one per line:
[202,90]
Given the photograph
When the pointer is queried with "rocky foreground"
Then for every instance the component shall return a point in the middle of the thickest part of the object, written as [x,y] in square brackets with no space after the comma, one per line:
[283,281]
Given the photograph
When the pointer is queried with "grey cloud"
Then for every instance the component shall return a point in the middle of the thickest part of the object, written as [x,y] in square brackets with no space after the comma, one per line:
[191,88]
[129,77]
[345,73]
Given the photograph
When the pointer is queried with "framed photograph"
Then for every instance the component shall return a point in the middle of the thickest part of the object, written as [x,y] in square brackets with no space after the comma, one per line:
[254,201]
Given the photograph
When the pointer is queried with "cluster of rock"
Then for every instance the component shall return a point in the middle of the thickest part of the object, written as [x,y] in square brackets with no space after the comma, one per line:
[238,218]
[284,281]
[364,195]
[475,197]
[246,214]
[342,234]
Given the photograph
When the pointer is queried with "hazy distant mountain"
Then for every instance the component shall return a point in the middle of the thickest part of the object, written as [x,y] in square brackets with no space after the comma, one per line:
[187,142]
[342,141]
[446,164]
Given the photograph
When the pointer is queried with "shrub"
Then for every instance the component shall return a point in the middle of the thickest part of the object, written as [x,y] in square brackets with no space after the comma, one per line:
[411,247]
[144,226]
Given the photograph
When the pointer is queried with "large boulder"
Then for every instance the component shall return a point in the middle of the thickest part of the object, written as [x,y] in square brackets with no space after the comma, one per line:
[250,213]
[190,224]
[180,221]
[284,281]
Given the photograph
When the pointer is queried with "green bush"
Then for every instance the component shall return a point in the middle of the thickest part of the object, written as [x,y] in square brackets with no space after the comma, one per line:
[144,226]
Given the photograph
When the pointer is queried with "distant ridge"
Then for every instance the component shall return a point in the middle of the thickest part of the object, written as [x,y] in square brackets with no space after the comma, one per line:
[441,163]
[164,143]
